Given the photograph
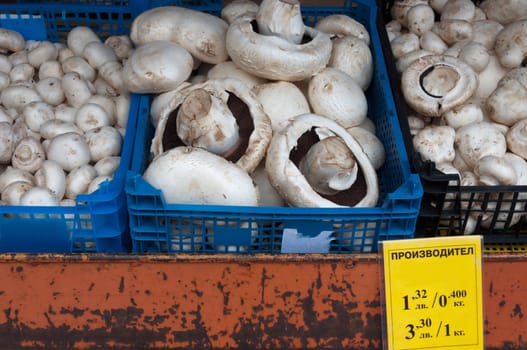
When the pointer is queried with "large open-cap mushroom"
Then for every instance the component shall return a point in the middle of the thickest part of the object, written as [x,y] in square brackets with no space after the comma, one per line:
[232,99]
[276,58]
[188,175]
[202,34]
[434,84]
[287,178]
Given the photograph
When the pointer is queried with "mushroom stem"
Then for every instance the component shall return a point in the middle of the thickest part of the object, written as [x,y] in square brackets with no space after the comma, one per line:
[329,166]
[282,18]
[205,121]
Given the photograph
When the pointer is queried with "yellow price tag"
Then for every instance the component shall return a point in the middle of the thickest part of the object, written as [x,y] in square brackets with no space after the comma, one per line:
[433,293]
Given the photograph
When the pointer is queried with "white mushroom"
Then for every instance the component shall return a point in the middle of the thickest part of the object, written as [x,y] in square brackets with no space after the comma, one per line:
[434,84]
[107,165]
[28,155]
[121,44]
[16,96]
[12,193]
[50,89]
[281,18]
[335,95]
[329,166]
[453,30]
[474,141]
[90,116]
[42,52]
[7,143]
[458,9]
[353,56]
[507,104]
[22,72]
[98,53]
[78,180]
[287,179]
[420,19]
[257,128]
[12,174]
[228,69]
[435,143]
[504,12]
[370,144]
[80,66]
[236,8]
[494,170]
[205,121]
[11,40]
[281,100]
[339,25]
[79,37]
[220,182]
[104,141]
[517,138]
[144,74]
[39,196]
[275,58]
[52,176]
[37,113]
[76,90]
[70,150]
[202,34]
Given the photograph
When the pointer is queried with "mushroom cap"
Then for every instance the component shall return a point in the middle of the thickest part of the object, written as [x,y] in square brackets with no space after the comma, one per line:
[517,138]
[507,104]
[157,66]
[187,175]
[435,143]
[434,84]
[353,56]
[288,180]
[511,44]
[201,33]
[337,96]
[275,58]
[343,25]
[260,136]
[281,100]
[476,140]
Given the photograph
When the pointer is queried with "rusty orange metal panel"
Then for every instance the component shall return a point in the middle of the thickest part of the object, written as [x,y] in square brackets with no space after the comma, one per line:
[219,302]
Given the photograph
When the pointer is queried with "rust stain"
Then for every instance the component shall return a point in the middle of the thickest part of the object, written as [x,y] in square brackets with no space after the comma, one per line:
[204,302]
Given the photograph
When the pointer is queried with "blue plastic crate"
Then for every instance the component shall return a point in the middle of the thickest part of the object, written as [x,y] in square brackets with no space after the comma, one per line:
[99,221]
[156,226]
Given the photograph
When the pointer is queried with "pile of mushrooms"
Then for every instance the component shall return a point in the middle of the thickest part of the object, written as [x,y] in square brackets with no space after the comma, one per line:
[462,77]
[268,110]
[63,115]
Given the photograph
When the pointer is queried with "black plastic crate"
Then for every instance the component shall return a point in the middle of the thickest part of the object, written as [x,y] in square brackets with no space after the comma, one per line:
[446,207]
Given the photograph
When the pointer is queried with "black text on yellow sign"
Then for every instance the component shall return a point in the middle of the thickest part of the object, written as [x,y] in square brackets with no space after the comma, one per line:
[433,294]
